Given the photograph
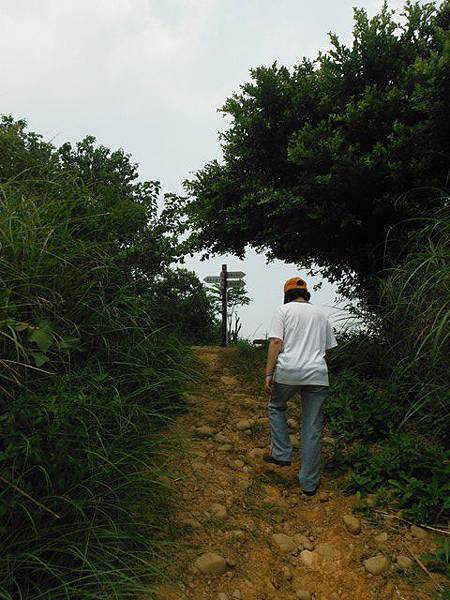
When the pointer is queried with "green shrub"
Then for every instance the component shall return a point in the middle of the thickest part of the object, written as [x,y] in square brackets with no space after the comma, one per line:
[363,353]
[416,472]
[184,304]
[361,409]
[440,560]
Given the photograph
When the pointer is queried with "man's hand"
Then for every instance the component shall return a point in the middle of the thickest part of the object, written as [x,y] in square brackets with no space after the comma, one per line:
[268,385]
[274,350]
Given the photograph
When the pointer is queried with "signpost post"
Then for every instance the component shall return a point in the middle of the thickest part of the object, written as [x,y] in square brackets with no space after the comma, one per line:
[223,279]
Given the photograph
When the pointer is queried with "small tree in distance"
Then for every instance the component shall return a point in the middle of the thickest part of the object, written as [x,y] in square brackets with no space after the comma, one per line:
[236,296]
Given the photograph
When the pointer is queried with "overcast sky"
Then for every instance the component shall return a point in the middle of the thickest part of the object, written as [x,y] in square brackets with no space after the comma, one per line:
[149,75]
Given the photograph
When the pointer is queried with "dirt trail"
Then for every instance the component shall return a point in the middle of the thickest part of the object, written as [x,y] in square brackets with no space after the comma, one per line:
[231,504]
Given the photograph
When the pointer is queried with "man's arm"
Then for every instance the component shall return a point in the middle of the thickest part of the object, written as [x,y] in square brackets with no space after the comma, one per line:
[274,350]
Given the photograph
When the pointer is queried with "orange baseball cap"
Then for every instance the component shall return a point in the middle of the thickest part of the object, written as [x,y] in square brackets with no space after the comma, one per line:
[295,283]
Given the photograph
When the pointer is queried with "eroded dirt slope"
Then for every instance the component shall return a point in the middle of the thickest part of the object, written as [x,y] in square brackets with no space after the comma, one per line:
[230,510]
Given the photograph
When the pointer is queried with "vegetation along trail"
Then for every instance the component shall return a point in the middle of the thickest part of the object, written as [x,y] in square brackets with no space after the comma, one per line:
[244,530]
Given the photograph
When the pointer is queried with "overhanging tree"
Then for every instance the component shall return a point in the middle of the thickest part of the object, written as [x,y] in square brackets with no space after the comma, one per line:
[320,163]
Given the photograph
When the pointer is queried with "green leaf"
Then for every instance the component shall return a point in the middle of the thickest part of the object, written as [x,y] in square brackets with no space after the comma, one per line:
[39,358]
[68,344]
[42,335]
[18,326]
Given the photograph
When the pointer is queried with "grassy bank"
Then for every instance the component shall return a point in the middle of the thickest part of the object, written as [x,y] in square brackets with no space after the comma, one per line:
[89,374]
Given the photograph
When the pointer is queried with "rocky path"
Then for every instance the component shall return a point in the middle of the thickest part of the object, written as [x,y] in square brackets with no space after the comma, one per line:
[244,532]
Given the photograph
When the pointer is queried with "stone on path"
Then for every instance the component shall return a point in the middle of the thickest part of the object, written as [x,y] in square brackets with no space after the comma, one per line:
[310,559]
[353,524]
[243,425]
[190,522]
[404,562]
[303,595]
[377,564]
[236,595]
[222,596]
[371,500]
[237,464]
[236,534]
[211,563]
[294,440]
[284,543]
[303,542]
[287,573]
[243,483]
[204,431]
[222,439]
[381,538]
[293,424]
[328,551]
[418,532]
[255,455]
[219,511]
[225,448]
[324,497]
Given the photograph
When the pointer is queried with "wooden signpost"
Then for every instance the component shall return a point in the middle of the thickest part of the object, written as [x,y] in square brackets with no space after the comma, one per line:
[224,279]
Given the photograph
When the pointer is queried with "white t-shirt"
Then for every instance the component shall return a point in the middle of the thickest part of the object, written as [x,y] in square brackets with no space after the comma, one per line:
[306,334]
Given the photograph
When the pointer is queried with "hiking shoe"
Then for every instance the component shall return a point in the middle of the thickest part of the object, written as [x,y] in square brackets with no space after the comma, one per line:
[309,493]
[274,461]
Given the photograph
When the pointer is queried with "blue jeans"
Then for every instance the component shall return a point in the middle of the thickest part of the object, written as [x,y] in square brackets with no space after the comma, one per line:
[313,399]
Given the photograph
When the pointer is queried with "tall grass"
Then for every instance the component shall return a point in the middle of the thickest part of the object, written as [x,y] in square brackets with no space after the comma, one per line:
[88,378]
[89,457]
[416,297]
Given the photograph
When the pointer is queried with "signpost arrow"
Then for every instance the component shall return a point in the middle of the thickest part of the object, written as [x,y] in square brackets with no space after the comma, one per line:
[235,284]
[213,279]
[235,274]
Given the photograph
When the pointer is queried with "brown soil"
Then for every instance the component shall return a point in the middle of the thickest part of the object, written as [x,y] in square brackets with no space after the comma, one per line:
[263,500]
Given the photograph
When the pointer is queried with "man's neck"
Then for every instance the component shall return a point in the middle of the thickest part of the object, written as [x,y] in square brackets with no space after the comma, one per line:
[300,300]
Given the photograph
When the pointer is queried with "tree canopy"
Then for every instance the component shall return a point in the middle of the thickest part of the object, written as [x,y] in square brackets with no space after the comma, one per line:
[87,204]
[321,162]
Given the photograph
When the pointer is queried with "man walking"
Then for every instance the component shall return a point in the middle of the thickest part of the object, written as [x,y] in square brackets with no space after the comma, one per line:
[300,337]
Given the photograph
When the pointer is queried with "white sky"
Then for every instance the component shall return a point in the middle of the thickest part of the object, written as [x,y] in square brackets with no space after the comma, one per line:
[149,75]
